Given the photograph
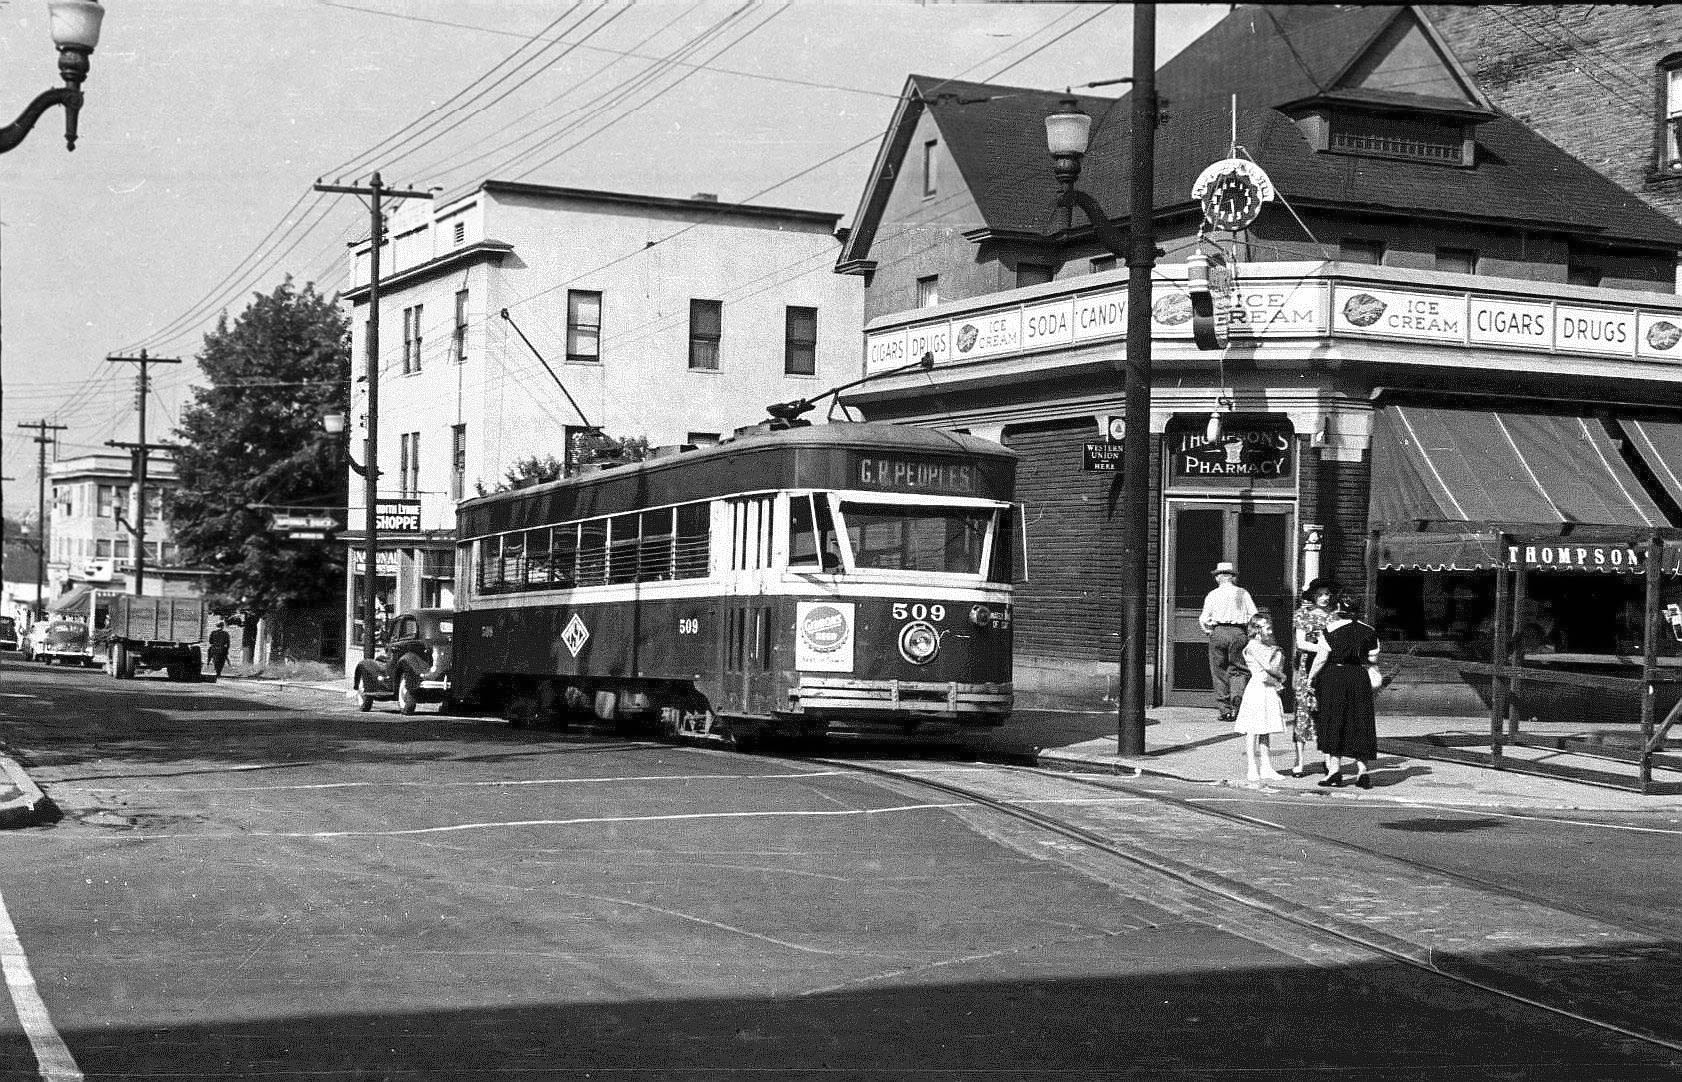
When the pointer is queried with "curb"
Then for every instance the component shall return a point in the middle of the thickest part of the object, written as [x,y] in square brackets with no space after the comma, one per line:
[33,808]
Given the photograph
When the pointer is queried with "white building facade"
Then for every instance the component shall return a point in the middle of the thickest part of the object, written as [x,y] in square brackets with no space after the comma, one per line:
[516,316]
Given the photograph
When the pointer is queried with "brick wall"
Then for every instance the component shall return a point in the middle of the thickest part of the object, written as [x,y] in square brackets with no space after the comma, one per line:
[1583,75]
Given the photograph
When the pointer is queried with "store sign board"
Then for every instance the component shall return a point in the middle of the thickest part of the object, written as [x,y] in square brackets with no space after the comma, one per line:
[1594,330]
[988,334]
[1362,310]
[385,562]
[884,350]
[928,340]
[1278,309]
[1244,448]
[397,516]
[1047,325]
[1103,456]
[1495,321]
[1659,336]
[1591,556]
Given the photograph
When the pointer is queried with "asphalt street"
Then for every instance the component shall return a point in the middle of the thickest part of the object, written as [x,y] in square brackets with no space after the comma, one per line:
[247,884]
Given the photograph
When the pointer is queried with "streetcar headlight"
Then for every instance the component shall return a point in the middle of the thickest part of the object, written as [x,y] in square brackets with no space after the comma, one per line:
[919,642]
[980,615]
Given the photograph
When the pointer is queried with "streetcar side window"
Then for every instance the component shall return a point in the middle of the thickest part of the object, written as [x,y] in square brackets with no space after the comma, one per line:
[538,557]
[654,555]
[592,552]
[694,534]
[563,554]
[622,549]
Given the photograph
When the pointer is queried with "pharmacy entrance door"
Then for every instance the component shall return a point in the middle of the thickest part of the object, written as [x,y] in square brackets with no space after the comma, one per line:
[1255,536]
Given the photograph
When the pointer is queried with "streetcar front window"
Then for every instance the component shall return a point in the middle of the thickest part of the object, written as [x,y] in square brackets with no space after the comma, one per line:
[811,534]
[905,537]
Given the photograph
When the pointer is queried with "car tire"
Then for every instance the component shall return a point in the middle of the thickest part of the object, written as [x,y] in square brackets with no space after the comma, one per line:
[119,662]
[408,692]
[364,701]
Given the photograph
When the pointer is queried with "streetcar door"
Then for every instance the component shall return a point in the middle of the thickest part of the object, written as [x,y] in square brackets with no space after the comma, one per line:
[748,610]
[1256,537]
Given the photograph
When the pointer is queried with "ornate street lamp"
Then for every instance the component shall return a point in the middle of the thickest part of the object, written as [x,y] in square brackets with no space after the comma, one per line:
[75,30]
[1066,135]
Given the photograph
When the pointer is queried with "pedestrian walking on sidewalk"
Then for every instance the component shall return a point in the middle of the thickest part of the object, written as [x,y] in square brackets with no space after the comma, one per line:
[1343,677]
[1260,711]
[1318,604]
[1226,616]
[219,645]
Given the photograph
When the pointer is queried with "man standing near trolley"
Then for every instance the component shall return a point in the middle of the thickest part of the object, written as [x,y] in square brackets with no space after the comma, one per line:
[1226,612]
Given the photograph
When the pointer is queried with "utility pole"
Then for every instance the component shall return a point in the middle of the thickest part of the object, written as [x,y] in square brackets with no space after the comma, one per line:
[376,191]
[1134,693]
[142,386]
[42,440]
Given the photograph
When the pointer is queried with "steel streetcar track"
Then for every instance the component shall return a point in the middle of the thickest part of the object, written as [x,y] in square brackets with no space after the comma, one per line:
[1191,804]
[1442,964]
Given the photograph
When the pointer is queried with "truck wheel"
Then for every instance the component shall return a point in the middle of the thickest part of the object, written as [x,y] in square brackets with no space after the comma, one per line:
[408,692]
[119,661]
[364,701]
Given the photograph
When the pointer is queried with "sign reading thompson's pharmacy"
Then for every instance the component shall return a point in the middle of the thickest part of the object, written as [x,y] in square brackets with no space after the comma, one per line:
[1245,449]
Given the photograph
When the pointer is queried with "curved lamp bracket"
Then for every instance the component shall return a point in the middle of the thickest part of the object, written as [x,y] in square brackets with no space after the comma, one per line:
[68,96]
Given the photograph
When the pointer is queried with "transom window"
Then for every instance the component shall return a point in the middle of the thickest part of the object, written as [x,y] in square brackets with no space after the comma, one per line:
[1417,138]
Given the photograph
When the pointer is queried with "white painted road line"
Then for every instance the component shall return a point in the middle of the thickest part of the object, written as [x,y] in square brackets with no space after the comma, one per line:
[51,1053]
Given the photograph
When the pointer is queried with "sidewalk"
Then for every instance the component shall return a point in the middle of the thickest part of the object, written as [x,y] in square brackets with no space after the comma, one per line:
[1186,743]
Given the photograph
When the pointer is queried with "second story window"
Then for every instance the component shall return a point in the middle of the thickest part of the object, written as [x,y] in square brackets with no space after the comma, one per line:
[1103,263]
[408,465]
[931,167]
[584,325]
[458,461]
[800,341]
[928,291]
[1032,274]
[458,337]
[411,339]
[1670,116]
[1457,260]
[1361,250]
[706,330]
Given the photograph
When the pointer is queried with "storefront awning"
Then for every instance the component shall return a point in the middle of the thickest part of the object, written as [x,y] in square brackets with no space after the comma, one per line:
[74,603]
[1659,443]
[1536,471]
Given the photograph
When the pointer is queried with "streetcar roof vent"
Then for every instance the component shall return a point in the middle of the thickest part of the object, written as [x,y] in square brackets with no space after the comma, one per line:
[667,450]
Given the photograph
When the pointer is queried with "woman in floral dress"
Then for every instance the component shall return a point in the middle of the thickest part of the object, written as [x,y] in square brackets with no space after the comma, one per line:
[1310,622]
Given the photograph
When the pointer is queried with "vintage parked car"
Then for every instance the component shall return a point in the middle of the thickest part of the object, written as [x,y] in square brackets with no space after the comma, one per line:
[67,642]
[9,634]
[412,665]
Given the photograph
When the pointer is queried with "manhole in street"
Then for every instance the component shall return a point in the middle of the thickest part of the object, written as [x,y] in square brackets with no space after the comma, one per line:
[1441,826]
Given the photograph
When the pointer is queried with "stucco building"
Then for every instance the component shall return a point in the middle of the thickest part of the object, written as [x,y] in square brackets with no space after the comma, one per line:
[1443,319]
[517,316]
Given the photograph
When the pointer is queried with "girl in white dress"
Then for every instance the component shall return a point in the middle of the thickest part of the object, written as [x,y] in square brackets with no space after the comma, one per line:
[1260,711]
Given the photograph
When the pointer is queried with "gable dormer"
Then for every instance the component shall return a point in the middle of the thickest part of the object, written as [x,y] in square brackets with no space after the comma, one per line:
[1402,95]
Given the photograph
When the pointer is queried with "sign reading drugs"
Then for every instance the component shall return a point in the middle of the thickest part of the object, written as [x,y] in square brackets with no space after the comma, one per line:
[397,516]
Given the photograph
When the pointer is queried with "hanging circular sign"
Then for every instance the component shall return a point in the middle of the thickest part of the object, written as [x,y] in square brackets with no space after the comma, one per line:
[1232,192]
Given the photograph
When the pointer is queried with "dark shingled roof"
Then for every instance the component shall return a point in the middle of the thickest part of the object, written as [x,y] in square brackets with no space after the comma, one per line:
[1271,57]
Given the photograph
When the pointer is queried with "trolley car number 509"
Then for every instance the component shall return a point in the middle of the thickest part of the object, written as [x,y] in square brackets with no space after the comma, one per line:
[919,611]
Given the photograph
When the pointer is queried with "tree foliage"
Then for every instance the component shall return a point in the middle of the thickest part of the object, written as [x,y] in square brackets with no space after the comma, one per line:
[251,442]
[588,448]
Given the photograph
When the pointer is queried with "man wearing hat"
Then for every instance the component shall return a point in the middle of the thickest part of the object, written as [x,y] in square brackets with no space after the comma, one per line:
[1226,613]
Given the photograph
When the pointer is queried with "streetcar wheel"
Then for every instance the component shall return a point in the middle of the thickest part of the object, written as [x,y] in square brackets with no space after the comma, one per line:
[364,701]
[408,692]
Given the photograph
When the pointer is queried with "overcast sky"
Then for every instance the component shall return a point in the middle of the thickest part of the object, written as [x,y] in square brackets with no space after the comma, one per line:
[207,122]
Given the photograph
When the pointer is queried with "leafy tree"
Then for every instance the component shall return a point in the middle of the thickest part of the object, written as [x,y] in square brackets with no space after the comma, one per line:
[19,560]
[252,440]
[587,448]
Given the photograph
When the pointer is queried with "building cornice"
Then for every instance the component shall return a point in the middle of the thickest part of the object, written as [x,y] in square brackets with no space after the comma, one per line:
[484,251]
[660,202]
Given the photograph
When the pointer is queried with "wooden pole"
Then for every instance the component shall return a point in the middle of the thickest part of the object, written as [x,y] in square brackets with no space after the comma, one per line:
[1498,660]
[1650,654]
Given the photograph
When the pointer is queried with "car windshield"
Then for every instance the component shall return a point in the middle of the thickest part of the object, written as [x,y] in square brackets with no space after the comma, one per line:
[915,537]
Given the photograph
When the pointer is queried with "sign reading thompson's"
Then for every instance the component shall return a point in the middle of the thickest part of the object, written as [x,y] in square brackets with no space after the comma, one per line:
[1563,555]
[397,516]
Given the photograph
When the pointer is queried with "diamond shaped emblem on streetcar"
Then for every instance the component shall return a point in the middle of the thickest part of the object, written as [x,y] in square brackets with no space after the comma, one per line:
[575,634]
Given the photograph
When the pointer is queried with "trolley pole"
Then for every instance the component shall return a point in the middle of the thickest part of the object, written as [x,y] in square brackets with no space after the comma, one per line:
[1134,692]
[376,191]
[142,387]
[42,440]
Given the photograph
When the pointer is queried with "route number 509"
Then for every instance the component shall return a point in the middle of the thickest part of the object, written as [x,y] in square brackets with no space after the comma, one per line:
[919,611]
[689,625]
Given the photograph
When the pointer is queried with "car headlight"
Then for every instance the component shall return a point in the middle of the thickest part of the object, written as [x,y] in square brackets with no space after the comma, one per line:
[919,642]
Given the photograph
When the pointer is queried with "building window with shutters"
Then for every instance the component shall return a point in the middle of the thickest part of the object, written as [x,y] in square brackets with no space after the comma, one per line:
[458,337]
[458,461]
[408,466]
[584,325]
[800,341]
[706,331]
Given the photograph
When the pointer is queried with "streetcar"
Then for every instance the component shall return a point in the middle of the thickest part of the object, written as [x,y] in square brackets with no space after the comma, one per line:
[791,580]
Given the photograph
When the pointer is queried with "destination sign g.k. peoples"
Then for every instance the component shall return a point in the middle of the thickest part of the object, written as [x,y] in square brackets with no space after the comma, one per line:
[901,473]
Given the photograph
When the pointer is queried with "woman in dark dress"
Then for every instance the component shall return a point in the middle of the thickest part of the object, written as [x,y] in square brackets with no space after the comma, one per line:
[1346,726]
